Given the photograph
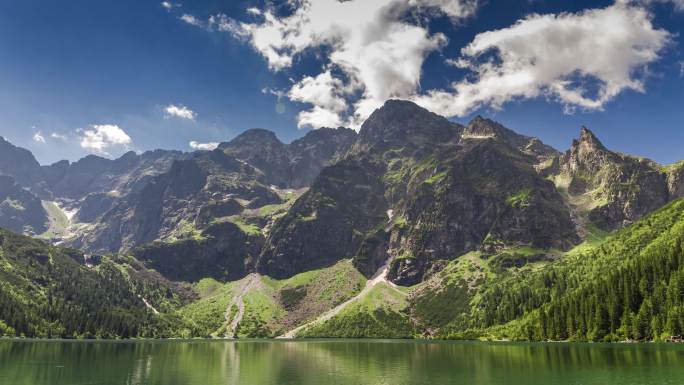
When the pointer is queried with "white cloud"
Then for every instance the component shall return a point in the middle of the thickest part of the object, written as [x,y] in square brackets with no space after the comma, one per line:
[169,5]
[324,92]
[190,19]
[100,138]
[254,11]
[376,48]
[582,60]
[203,146]
[678,4]
[55,135]
[179,111]
[38,137]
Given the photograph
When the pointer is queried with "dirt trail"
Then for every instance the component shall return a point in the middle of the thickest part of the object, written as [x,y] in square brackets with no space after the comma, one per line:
[250,283]
[149,306]
[379,276]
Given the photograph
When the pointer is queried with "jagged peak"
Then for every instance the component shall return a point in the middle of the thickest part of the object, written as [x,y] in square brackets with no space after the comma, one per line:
[483,127]
[254,135]
[589,139]
[402,121]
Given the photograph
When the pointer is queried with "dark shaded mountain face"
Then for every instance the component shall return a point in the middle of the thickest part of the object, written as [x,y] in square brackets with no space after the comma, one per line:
[20,210]
[293,165]
[428,193]
[411,191]
[20,164]
[169,205]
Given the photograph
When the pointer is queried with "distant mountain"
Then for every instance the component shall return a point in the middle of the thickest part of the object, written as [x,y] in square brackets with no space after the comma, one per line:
[293,165]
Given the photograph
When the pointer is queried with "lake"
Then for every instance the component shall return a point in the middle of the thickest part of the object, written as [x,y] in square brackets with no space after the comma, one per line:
[336,362]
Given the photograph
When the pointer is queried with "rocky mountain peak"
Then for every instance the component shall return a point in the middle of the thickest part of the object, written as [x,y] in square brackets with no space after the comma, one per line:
[589,141]
[401,123]
[483,128]
[258,136]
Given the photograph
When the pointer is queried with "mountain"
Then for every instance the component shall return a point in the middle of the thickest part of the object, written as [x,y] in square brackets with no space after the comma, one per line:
[614,188]
[416,190]
[48,291]
[20,210]
[293,165]
[21,165]
[415,226]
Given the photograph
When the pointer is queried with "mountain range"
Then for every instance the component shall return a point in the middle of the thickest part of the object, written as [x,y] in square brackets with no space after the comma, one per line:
[414,226]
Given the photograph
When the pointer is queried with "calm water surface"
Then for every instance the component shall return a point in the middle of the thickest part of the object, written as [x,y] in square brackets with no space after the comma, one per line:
[343,362]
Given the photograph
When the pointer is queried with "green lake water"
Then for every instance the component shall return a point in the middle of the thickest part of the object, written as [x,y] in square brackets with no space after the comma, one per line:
[336,362]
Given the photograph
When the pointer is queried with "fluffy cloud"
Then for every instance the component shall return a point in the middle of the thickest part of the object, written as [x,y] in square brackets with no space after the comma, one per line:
[582,60]
[190,19]
[38,137]
[376,49]
[100,138]
[179,111]
[203,146]
[325,93]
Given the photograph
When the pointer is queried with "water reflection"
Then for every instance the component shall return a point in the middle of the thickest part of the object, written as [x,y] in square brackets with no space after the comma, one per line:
[335,362]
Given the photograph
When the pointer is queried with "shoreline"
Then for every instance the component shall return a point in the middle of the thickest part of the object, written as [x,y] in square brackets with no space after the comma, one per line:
[338,339]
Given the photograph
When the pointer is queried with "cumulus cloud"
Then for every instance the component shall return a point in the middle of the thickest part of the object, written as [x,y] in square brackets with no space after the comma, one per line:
[582,60]
[375,50]
[325,93]
[203,146]
[100,138]
[179,111]
[190,19]
[38,137]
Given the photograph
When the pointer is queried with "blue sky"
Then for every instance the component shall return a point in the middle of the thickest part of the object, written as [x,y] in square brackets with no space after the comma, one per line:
[79,77]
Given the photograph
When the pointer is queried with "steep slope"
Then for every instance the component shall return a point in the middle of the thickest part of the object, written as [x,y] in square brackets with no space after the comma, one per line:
[20,164]
[613,189]
[48,291]
[177,203]
[293,165]
[415,189]
[20,210]
[97,175]
[629,287]
[327,224]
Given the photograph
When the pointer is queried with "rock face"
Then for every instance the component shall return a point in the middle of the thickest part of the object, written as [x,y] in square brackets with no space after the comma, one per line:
[293,165]
[328,223]
[97,175]
[618,188]
[449,192]
[170,203]
[223,252]
[20,210]
[21,165]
